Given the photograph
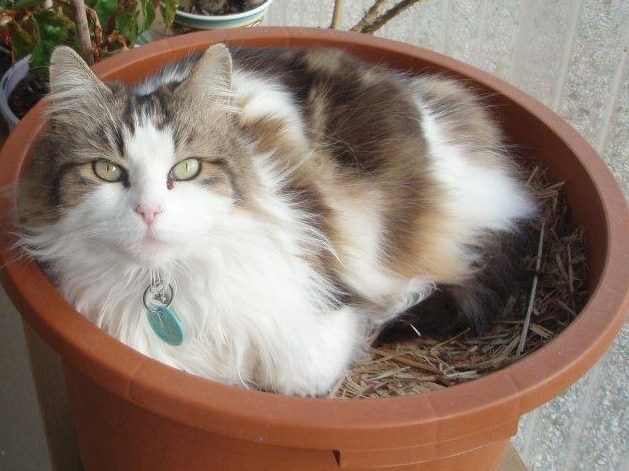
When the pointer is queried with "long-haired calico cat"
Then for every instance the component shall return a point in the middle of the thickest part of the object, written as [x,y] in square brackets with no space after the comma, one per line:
[255,216]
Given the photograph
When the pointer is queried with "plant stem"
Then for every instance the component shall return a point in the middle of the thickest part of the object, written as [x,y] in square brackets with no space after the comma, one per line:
[83,31]
[529,310]
[336,15]
[370,16]
[374,19]
[98,33]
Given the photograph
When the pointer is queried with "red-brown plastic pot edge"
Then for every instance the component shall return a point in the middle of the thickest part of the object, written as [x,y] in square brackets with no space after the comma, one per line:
[506,394]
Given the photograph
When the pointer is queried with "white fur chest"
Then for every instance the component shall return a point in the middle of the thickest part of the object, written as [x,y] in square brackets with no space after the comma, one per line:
[251,311]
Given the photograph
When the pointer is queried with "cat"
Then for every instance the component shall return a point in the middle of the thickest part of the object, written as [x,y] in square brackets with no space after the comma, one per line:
[255,216]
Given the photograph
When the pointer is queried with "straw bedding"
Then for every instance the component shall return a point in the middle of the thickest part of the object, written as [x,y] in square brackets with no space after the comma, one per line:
[531,318]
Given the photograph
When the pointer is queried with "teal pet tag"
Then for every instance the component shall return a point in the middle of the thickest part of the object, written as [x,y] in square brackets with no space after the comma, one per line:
[166,325]
[162,319]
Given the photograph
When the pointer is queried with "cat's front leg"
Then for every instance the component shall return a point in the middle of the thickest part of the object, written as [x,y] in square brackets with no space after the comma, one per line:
[321,358]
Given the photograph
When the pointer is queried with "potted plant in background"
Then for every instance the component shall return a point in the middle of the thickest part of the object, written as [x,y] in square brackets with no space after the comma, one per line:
[31,29]
[214,14]
[132,412]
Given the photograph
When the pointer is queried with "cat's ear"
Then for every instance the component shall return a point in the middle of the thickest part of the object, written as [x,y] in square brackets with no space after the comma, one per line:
[211,77]
[73,85]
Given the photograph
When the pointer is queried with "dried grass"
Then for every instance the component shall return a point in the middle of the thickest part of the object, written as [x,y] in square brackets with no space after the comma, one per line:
[530,319]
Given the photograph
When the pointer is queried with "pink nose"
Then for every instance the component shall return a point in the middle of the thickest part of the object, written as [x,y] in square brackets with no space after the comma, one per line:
[149,213]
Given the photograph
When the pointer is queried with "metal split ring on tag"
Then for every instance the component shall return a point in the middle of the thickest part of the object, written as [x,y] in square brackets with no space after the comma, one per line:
[164,321]
[157,296]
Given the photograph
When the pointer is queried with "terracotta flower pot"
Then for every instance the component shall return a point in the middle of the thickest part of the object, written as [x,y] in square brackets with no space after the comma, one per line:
[133,413]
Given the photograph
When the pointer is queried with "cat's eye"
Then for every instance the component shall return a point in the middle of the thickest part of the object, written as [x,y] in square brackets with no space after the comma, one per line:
[108,171]
[186,170]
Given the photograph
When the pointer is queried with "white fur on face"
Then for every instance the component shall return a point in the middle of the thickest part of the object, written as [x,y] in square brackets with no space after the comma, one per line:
[186,214]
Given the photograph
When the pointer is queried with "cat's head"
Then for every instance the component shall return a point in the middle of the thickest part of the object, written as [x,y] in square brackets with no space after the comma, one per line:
[145,172]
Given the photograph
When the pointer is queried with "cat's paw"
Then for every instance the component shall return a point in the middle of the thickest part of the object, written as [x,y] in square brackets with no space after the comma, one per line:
[311,382]
[319,363]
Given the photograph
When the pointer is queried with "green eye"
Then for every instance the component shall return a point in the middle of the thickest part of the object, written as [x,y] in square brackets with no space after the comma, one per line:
[186,170]
[108,171]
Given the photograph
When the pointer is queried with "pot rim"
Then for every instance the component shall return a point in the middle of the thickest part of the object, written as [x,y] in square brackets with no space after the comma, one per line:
[8,82]
[496,398]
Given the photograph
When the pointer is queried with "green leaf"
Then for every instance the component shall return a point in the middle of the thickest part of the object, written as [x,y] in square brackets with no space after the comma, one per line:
[170,6]
[53,34]
[106,10]
[53,29]
[26,4]
[40,61]
[22,41]
[148,8]
[128,26]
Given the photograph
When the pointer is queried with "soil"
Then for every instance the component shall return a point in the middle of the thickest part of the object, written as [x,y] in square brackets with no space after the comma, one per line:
[5,61]
[27,93]
[217,7]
